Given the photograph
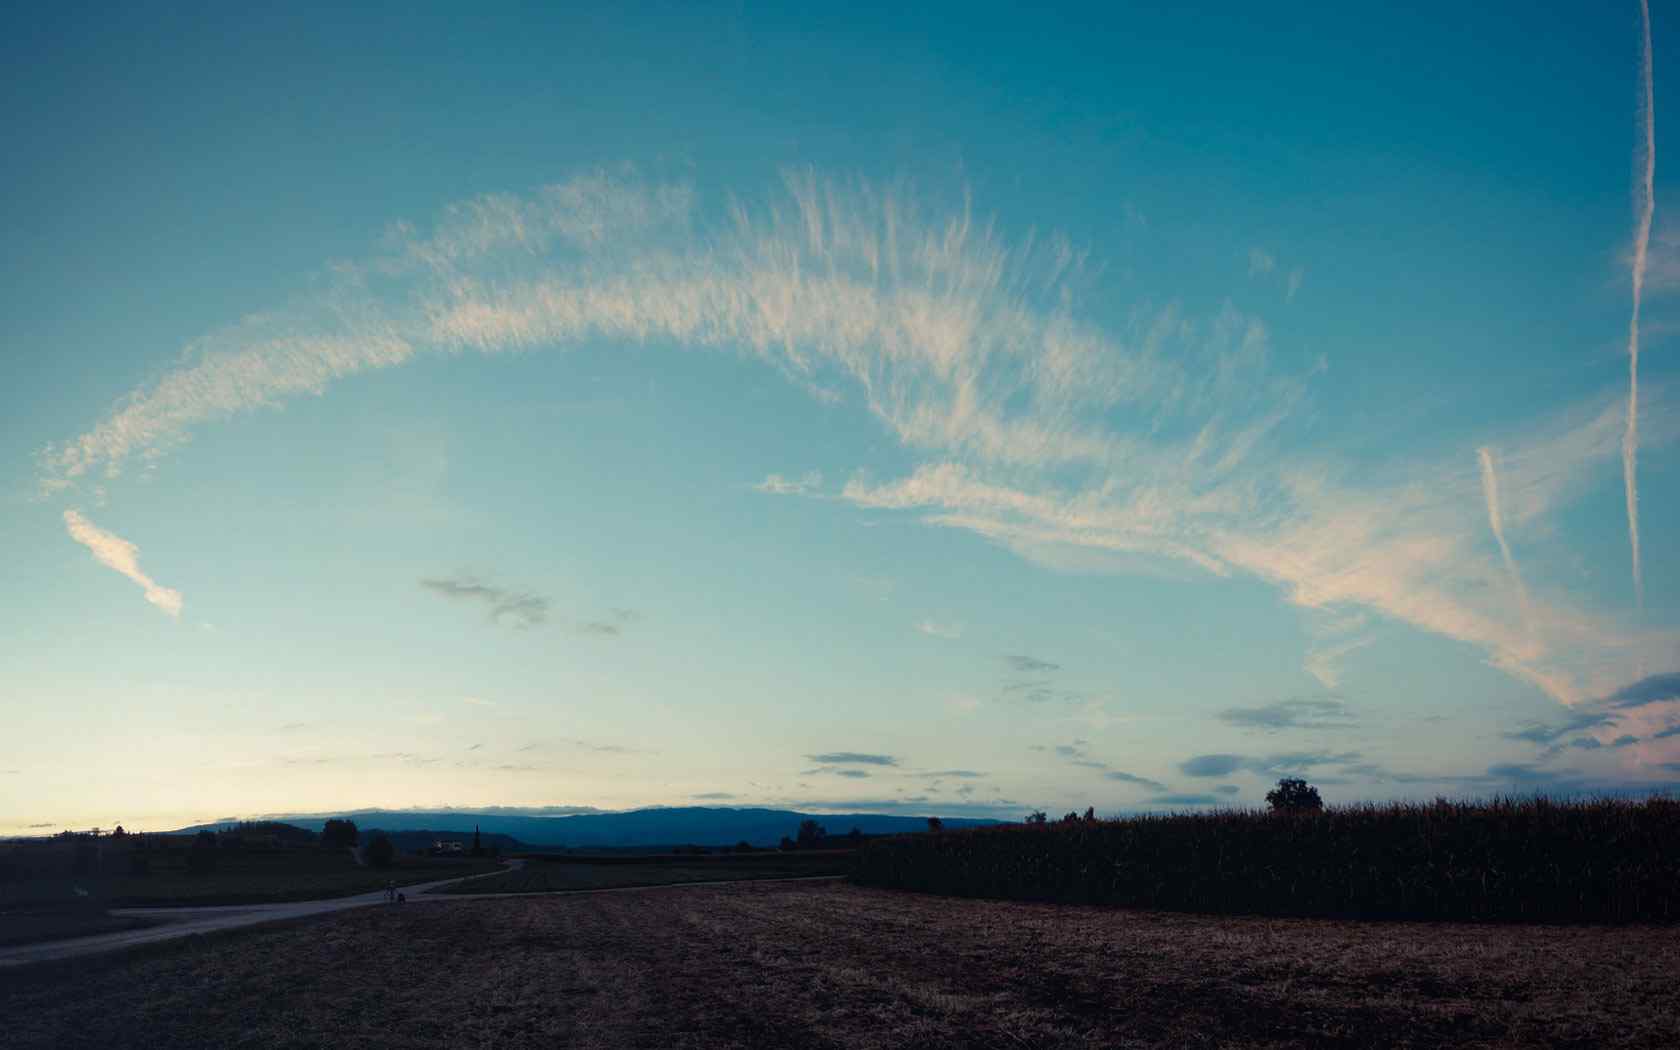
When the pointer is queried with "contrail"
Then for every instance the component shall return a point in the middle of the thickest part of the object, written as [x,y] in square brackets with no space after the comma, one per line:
[1496,521]
[1645,198]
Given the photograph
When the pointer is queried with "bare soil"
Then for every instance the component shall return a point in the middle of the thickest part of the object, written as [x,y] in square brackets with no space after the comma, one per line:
[35,926]
[548,875]
[770,964]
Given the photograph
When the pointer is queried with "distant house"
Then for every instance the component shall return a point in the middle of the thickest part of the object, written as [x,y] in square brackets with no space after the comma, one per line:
[442,847]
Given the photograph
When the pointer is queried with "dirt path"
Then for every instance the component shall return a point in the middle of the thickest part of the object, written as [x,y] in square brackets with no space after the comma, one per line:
[173,923]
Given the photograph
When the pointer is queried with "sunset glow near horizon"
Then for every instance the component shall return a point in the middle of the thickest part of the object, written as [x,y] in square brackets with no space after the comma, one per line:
[723,407]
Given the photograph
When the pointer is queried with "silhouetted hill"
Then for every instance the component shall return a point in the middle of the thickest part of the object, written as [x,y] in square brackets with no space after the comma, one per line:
[698,825]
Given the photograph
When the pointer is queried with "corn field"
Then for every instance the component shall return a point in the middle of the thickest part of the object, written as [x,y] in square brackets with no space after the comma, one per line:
[1510,860]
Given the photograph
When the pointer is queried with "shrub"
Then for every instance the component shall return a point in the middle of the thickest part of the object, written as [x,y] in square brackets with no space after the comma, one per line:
[1530,860]
[935,824]
[811,834]
[380,852]
[1037,817]
[743,846]
[1294,796]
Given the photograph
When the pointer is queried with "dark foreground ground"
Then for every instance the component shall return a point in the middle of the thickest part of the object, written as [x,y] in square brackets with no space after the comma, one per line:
[33,927]
[832,965]
[550,874]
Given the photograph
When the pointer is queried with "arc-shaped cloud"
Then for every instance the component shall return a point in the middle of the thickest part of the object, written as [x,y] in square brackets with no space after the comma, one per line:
[1160,438]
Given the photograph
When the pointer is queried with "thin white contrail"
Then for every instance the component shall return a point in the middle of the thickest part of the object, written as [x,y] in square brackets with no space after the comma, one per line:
[1496,521]
[1645,200]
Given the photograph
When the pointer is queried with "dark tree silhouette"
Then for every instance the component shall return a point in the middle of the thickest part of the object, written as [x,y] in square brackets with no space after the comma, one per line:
[380,852]
[202,857]
[1037,816]
[1293,795]
[811,833]
[339,833]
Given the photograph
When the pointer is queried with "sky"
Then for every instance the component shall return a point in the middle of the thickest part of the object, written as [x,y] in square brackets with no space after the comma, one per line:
[940,410]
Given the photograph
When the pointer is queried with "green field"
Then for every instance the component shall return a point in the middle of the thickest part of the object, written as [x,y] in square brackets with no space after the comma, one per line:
[546,874]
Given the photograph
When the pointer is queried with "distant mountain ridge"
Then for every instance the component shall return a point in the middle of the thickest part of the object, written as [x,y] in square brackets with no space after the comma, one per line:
[660,826]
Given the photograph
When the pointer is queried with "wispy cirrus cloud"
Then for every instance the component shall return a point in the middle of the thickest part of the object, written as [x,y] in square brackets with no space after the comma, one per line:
[114,552]
[948,630]
[1154,438]
[777,485]
[519,608]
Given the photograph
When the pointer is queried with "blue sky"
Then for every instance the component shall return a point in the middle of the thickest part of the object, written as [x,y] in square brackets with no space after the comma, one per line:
[956,411]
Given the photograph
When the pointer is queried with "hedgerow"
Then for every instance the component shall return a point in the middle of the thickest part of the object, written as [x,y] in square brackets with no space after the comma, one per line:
[1515,860]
